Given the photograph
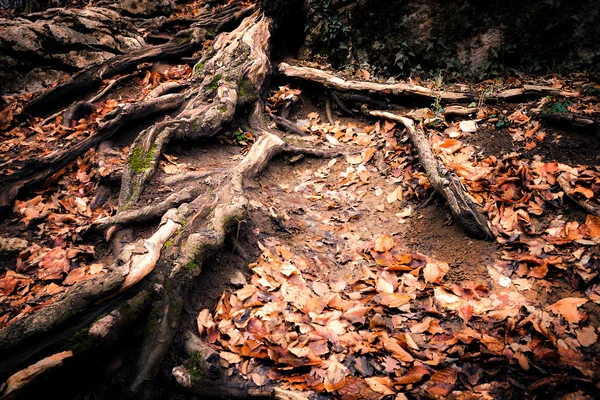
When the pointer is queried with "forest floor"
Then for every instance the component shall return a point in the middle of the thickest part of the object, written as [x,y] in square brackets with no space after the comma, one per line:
[349,276]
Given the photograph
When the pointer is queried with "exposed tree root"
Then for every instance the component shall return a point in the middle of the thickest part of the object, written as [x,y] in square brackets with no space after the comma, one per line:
[571,120]
[569,192]
[230,76]
[459,111]
[185,42]
[445,182]
[35,171]
[398,89]
[406,89]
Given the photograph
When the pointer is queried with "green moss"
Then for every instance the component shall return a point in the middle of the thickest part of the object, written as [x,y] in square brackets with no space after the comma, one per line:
[138,161]
[197,69]
[195,364]
[214,84]
[169,243]
[246,88]
[182,39]
[100,317]
[223,109]
[192,265]
[80,341]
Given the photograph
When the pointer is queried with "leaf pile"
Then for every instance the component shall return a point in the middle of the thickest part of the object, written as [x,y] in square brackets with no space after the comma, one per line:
[397,328]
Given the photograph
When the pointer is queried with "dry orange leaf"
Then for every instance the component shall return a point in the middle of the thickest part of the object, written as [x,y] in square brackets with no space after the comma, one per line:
[380,384]
[434,272]
[567,307]
[442,382]
[393,347]
[593,224]
[335,377]
[394,300]
[587,336]
[383,243]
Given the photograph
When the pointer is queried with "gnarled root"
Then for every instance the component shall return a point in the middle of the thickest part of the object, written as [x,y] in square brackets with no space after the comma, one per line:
[445,182]
[230,77]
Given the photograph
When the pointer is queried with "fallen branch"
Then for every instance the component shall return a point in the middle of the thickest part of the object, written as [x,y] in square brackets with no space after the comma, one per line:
[568,190]
[445,182]
[408,89]
[287,125]
[533,91]
[397,89]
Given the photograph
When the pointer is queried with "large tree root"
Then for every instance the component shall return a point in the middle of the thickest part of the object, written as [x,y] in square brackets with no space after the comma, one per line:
[405,89]
[229,77]
[36,171]
[445,182]
[185,42]
[397,89]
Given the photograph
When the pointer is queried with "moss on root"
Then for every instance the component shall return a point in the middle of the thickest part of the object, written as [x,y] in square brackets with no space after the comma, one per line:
[80,341]
[214,83]
[138,161]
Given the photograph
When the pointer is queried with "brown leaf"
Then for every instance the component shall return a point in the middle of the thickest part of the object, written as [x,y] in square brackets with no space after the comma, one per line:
[442,382]
[413,375]
[383,243]
[76,275]
[434,272]
[393,347]
[357,389]
[567,307]
[593,224]
[336,376]
[54,264]
[393,300]
[380,384]
[390,364]
[587,336]
[8,283]
[25,376]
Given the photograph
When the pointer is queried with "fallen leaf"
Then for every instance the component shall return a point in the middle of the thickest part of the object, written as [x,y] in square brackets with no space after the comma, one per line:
[393,347]
[587,336]
[335,377]
[468,126]
[567,307]
[442,382]
[383,243]
[593,224]
[380,384]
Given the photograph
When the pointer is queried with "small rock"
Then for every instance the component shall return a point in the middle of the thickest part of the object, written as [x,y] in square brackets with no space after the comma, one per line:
[238,279]
[12,245]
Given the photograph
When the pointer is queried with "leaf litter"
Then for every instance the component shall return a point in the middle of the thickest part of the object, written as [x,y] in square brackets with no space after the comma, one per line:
[393,324]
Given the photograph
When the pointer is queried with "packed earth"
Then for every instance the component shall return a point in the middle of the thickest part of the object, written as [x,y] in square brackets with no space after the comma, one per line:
[192,218]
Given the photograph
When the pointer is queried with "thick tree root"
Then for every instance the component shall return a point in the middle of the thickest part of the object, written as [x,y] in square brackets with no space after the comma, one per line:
[206,227]
[230,77]
[445,182]
[570,120]
[38,170]
[405,89]
[185,42]
[398,89]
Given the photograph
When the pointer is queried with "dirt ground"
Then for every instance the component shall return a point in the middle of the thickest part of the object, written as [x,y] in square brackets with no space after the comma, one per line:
[330,213]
